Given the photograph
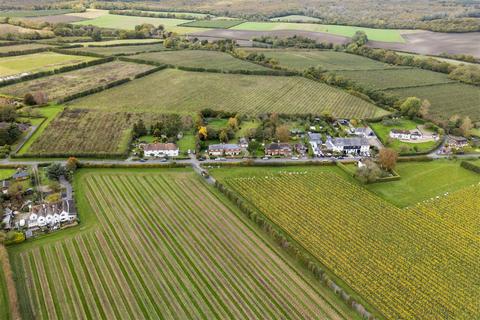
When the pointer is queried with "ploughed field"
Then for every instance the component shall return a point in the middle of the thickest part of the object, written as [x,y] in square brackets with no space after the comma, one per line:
[173,90]
[37,62]
[200,59]
[64,84]
[415,263]
[447,97]
[160,245]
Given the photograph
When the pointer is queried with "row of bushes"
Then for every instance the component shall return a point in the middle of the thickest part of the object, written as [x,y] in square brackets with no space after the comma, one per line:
[470,166]
[240,71]
[86,164]
[142,61]
[146,73]
[124,44]
[24,52]
[42,74]
[294,249]
[93,90]
[93,155]
[76,52]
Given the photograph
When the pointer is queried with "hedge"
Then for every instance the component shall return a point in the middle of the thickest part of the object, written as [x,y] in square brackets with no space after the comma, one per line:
[95,155]
[87,164]
[470,166]
[77,53]
[146,73]
[124,44]
[24,52]
[92,90]
[294,249]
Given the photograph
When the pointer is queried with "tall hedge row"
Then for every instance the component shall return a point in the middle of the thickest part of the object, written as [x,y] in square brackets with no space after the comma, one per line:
[470,166]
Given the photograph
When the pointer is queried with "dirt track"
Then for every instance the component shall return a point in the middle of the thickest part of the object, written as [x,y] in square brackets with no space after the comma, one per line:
[423,42]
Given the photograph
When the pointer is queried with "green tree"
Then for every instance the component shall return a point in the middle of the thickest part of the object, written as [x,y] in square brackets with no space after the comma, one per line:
[411,106]
[55,170]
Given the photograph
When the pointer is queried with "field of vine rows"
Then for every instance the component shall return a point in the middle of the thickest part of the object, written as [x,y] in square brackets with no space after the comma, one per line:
[158,244]
[192,91]
[416,263]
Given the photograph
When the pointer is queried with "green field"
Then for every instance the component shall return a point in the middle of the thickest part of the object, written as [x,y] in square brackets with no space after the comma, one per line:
[122,50]
[49,113]
[178,14]
[37,62]
[415,263]
[4,302]
[64,84]
[421,181]
[447,99]
[295,18]
[192,91]
[118,42]
[161,235]
[129,23]
[383,131]
[6,173]
[385,35]
[200,59]
[23,47]
[213,24]
[329,60]
[395,78]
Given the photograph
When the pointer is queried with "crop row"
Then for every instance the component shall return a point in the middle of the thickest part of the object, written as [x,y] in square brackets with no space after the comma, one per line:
[165,247]
[407,265]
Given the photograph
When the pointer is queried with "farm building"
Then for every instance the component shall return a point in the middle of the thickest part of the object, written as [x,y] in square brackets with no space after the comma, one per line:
[224,149]
[457,142]
[161,150]
[278,149]
[354,146]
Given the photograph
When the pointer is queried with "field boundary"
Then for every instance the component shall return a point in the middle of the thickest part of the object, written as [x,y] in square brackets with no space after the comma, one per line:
[12,297]
[470,166]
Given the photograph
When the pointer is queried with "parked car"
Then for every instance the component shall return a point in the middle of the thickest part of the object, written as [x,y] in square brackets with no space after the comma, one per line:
[294,158]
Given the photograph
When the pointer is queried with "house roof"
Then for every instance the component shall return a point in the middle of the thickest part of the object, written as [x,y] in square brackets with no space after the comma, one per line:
[458,139]
[160,147]
[226,146]
[21,174]
[314,136]
[279,146]
[400,131]
[345,142]
[55,208]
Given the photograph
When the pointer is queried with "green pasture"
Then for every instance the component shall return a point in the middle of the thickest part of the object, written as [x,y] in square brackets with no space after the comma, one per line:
[384,35]
[33,13]
[122,50]
[295,18]
[213,24]
[424,180]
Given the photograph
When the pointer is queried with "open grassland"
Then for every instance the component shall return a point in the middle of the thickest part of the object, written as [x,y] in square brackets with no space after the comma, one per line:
[178,14]
[200,59]
[23,47]
[408,263]
[122,50]
[295,18]
[185,92]
[64,84]
[129,22]
[395,78]
[37,62]
[384,35]
[213,24]
[447,99]
[423,181]
[160,245]
[329,60]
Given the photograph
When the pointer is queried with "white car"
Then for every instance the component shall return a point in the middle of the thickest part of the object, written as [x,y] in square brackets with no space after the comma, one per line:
[294,158]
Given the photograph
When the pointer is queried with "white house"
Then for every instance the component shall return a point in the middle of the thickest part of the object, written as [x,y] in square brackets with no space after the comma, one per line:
[218,150]
[354,146]
[405,134]
[52,214]
[160,150]
[315,140]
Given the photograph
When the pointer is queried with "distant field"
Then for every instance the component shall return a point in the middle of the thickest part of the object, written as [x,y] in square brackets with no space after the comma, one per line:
[119,42]
[38,62]
[193,91]
[199,59]
[129,23]
[33,13]
[395,78]
[122,50]
[23,47]
[424,180]
[213,24]
[6,29]
[161,235]
[178,14]
[329,60]
[295,18]
[447,99]
[64,84]
[385,35]
[415,263]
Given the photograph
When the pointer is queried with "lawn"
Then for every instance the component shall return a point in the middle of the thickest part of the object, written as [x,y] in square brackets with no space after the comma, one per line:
[161,234]
[447,99]
[395,78]
[200,59]
[421,181]
[295,18]
[329,60]
[384,35]
[64,84]
[129,22]
[6,173]
[192,91]
[49,113]
[186,143]
[403,262]
[213,24]
[382,131]
[122,50]
[37,62]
